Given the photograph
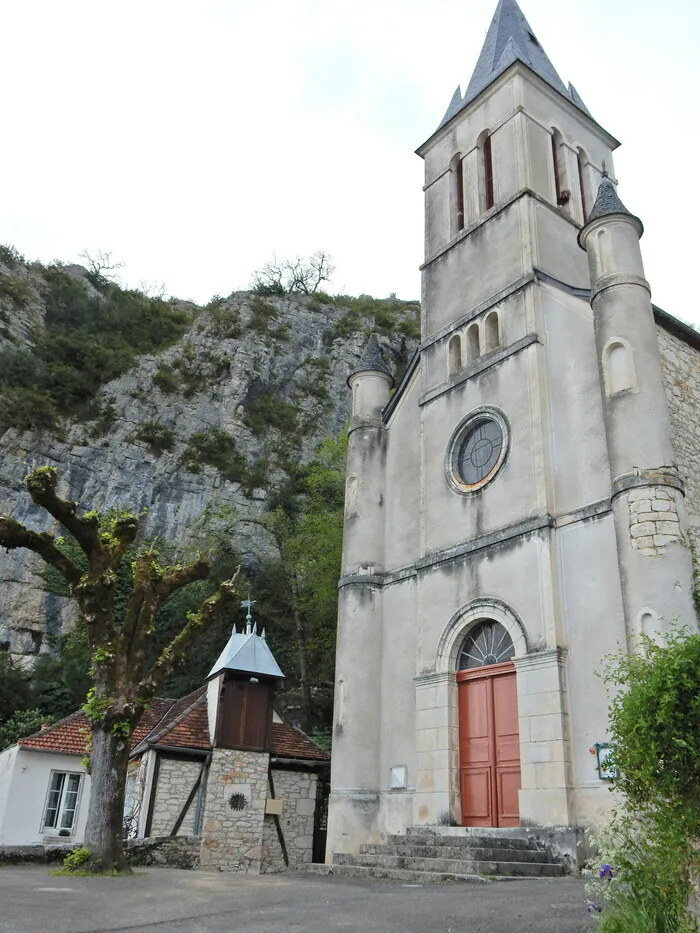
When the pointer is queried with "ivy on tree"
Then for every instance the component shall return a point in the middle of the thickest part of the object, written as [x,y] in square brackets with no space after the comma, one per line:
[124,676]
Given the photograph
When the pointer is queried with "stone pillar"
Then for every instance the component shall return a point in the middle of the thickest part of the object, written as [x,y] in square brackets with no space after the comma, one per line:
[354,801]
[437,797]
[234,811]
[545,760]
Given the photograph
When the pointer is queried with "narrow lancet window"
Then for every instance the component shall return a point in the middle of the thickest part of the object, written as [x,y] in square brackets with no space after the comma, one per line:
[473,343]
[458,192]
[488,173]
[561,193]
[582,183]
[455,355]
[492,336]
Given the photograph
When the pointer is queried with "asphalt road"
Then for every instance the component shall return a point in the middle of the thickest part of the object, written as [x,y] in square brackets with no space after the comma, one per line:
[32,901]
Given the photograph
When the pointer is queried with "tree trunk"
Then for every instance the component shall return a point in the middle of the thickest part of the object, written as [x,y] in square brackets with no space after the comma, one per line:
[103,834]
[306,705]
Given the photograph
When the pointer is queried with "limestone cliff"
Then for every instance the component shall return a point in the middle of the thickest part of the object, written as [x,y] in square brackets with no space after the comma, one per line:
[252,384]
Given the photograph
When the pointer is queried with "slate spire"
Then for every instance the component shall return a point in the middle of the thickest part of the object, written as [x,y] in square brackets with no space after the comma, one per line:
[371,359]
[608,202]
[510,38]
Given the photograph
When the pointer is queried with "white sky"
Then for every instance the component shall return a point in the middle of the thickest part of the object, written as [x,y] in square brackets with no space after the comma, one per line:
[194,139]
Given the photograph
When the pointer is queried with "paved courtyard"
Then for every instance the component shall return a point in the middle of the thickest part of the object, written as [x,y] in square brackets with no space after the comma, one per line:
[32,901]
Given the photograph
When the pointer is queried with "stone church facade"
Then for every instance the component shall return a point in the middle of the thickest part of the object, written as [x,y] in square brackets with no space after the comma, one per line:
[521,506]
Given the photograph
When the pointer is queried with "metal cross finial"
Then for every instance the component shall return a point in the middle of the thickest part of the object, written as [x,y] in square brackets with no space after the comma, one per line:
[248,604]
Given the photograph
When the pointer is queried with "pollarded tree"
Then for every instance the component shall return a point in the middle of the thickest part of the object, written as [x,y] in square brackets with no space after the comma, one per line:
[118,634]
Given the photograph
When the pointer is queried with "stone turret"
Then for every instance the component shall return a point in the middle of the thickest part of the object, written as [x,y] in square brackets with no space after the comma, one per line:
[647,491]
[354,801]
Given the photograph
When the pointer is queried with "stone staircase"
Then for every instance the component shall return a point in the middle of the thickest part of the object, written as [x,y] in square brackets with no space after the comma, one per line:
[446,854]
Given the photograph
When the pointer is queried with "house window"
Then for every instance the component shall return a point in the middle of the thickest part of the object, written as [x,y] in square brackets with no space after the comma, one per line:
[62,803]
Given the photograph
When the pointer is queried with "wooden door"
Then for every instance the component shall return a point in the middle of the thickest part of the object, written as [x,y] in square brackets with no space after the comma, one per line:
[489,746]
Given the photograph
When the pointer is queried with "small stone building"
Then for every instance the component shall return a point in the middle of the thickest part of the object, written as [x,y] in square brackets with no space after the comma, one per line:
[219,768]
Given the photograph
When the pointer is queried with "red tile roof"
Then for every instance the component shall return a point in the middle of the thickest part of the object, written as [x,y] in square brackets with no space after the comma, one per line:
[178,723]
[71,735]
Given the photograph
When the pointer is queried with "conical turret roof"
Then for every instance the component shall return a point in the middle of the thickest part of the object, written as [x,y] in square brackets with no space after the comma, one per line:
[510,38]
[608,202]
[371,359]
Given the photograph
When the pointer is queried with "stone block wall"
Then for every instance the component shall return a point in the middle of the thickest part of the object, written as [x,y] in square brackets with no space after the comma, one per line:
[654,519]
[297,791]
[234,811]
[176,778]
[681,372]
[168,851]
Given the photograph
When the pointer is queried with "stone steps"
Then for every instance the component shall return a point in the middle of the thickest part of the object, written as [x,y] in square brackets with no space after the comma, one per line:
[459,866]
[449,854]
[393,874]
[470,841]
[456,852]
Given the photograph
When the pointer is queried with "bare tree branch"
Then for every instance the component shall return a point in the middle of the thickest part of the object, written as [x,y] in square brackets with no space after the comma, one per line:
[302,275]
[14,535]
[174,654]
[42,485]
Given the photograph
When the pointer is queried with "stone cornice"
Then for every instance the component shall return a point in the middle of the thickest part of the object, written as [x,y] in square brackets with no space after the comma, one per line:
[547,658]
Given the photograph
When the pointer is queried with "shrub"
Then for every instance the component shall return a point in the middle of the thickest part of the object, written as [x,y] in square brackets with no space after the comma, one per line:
[165,379]
[216,448]
[262,315]
[648,849]
[10,257]
[87,340]
[75,859]
[263,411]
[156,435]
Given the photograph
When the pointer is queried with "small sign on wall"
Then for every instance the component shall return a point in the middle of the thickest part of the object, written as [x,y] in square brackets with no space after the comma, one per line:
[398,777]
[273,806]
[605,765]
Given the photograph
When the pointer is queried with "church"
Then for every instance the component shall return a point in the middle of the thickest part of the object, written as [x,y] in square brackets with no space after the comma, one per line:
[523,504]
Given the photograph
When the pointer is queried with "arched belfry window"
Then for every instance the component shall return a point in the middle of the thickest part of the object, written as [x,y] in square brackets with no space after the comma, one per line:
[455,354]
[486,171]
[581,159]
[473,349]
[487,643]
[491,330]
[457,193]
[561,192]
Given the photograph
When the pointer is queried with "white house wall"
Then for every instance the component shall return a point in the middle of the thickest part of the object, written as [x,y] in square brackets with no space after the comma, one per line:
[27,794]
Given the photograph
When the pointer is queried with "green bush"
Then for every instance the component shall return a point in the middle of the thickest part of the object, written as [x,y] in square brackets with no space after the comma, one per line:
[225,322]
[648,850]
[156,435]
[76,858]
[87,340]
[21,724]
[165,379]
[263,411]
[10,257]
[263,313]
[217,448]
[16,288]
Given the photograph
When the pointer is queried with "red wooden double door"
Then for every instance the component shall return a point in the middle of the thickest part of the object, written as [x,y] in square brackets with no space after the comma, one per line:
[489,746]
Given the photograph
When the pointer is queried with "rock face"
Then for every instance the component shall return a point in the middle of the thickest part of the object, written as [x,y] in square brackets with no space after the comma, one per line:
[254,385]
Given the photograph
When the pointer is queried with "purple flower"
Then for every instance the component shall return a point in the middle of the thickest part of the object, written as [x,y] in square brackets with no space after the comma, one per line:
[605,871]
[593,908]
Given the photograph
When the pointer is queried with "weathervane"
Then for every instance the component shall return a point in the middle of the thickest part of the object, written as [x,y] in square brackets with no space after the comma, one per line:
[248,604]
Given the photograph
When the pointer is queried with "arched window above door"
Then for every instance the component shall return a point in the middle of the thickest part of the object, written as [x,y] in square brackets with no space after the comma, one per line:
[487,643]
